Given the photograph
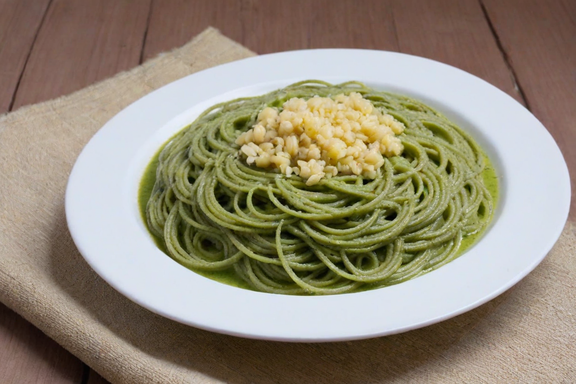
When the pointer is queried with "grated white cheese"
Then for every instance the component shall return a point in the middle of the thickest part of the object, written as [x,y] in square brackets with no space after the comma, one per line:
[322,137]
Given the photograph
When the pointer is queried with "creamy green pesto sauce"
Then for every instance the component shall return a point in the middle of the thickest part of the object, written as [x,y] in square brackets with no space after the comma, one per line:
[146,185]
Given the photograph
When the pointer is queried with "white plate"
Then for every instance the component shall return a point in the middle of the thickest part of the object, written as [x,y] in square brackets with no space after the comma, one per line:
[103,217]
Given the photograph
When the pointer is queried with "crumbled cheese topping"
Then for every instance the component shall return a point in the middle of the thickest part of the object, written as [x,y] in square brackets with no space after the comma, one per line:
[322,137]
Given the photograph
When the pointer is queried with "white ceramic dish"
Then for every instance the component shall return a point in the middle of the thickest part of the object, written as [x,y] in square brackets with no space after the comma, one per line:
[103,217]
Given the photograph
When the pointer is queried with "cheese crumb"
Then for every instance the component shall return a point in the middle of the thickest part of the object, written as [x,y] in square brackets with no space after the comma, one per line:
[322,137]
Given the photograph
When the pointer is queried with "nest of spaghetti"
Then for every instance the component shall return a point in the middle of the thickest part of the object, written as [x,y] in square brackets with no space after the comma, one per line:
[214,210]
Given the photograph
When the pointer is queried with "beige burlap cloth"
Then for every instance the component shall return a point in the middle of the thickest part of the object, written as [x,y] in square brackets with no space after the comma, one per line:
[526,335]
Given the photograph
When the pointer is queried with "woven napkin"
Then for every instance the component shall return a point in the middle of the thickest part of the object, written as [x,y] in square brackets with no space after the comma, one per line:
[525,335]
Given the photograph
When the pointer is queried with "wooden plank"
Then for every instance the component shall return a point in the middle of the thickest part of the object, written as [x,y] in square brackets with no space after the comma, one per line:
[19,23]
[29,356]
[539,38]
[271,26]
[82,42]
[173,23]
[351,24]
[455,33]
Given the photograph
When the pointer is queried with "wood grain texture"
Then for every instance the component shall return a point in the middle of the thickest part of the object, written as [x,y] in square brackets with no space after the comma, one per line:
[453,32]
[19,23]
[456,33]
[82,42]
[29,356]
[270,26]
[352,24]
[539,37]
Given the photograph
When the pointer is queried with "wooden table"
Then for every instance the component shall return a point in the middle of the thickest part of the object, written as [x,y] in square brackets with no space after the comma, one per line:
[49,48]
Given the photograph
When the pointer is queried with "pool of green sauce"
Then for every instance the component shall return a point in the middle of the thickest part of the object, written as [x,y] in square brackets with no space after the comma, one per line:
[146,185]
[229,277]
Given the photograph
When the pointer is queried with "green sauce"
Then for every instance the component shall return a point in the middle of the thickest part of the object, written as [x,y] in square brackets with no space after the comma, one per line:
[491,183]
[229,277]
[146,185]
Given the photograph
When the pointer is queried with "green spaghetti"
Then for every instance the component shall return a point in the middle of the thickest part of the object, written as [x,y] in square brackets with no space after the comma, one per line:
[214,212]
